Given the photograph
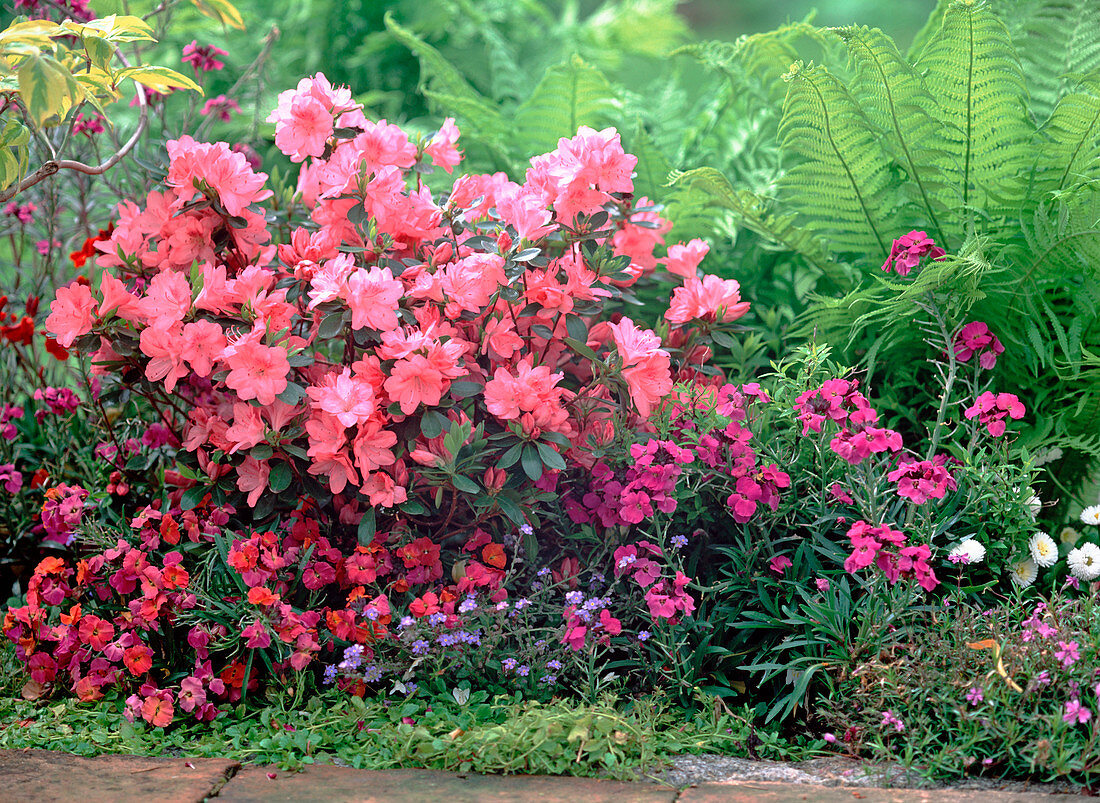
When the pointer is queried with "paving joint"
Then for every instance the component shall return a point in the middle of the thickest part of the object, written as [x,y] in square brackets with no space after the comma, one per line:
[230,773]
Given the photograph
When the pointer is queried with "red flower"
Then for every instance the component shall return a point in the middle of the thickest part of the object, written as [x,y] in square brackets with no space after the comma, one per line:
[138,659]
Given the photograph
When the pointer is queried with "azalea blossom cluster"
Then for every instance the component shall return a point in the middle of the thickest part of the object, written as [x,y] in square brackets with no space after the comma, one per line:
[388,304]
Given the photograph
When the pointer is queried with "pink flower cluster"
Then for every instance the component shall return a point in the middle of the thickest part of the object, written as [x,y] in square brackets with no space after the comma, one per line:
[61,512]
[885,548]
[647,484]
[839,401]
[992,408]
[907,251]
[975,338]
[665,597]
[919,481]
[203,58]
[431,301]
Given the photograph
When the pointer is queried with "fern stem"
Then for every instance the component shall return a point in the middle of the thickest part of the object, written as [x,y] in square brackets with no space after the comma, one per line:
[949,382]
[969,107]
[844,164]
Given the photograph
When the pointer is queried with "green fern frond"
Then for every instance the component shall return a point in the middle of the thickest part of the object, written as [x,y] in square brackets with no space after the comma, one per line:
[973,70]
[895,99]
[568,96]
[929,31]
[441,82]
[1068,146]
[1056,40]
[705,187]
[651,173]
[845,184]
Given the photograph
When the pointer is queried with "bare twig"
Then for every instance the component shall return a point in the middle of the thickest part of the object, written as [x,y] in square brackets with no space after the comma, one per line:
[54,165]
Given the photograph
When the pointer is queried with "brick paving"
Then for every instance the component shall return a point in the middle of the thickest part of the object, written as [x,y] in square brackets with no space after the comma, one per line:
[43,776]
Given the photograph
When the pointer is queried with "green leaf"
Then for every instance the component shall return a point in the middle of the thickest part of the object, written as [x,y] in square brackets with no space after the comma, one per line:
[511,456]
[279,478]
[972,70]
[159,79]
[445,86]
[464,389]
[893,95]
[843,184]
[331,325]
[510,509]
[47,88]
[367,526]
[221,10]
[432,424]
[292,394]
[465,484]
[570,95]
[550,458]
[531,462]
[193,497]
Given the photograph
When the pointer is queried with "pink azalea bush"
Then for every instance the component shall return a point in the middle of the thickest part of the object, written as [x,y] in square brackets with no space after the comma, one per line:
[364,411]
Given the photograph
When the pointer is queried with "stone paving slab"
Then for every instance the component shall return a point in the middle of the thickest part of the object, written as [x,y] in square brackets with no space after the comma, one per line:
[343,785]
[43,776]
[805,793]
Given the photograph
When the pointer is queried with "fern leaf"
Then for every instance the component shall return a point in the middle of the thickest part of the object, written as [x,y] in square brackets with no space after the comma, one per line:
[845,184]
[973,71]
[570,95]
[1068,147]
[653,168]
[706,187]
[929,31]
[895,99]
[440,80]
[1056,40]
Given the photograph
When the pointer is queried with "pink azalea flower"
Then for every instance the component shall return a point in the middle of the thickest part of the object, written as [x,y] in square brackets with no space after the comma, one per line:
[71,313]
[441,147]
[708,299]
[256,371]
[683,260]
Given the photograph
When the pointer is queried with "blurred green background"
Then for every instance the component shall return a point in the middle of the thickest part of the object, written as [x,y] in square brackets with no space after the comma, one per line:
[347,40]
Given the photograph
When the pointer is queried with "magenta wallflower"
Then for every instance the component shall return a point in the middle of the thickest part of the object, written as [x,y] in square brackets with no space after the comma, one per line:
[1076,713]
[890,719]
[1068,653]
[908,250]
[991,408]
[975,695]
[921,481]
[975,338]
[779,564]
[203,58]
[221,107]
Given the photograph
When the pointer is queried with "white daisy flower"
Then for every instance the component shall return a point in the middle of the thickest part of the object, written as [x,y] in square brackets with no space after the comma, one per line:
[1069,536]
[1084,562]
[967,551]
[1043,549]
[1024,573]
[1091,515]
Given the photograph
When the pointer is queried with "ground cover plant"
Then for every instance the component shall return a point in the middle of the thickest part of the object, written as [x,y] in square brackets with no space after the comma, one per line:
[367,430]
